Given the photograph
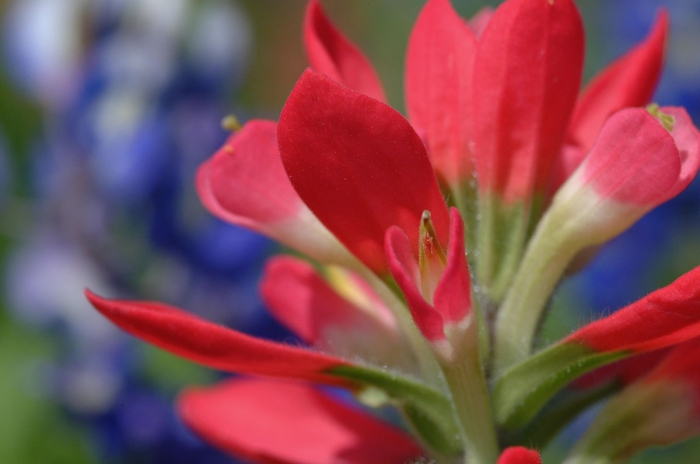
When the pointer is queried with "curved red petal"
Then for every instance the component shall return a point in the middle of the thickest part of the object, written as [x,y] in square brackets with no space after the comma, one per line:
[687,139]
[519,455]
[359,166]
[212,345]
[404,269]
[527,77]
[634,160]
[453,293]
[666,317]
[274,422]
[245,183]
[628,81]
[439,74]
[335,56]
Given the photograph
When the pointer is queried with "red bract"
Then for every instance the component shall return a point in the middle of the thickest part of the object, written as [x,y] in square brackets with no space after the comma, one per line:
[215,346]
[335,56]
[359,166]
[665,317]
[629,81]
[526,79]
[637,161]
[519,455]
[273,422]
[439,68]
[245,183]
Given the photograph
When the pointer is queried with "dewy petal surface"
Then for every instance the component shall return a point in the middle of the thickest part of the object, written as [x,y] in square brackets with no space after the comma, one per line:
[527,78]
[215,346]
[275,422]
[359,166]
[245,183]
[439,74]
[335,56]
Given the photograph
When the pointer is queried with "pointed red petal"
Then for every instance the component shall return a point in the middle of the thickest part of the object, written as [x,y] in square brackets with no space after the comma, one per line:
[212,345]
[404,269]
[245,183]
[359,166]
[335,56]
[273,422]
[666,317]
[527,77]
[439,73]
[453,293]
[519,455]
[628,81]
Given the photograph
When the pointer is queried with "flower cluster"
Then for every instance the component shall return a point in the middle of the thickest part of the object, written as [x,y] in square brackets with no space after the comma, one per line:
[434,244]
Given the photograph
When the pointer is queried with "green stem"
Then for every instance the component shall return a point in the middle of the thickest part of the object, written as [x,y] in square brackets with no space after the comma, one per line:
[465,199]
[501,236]
[470,395]
[557,414]
[545,261]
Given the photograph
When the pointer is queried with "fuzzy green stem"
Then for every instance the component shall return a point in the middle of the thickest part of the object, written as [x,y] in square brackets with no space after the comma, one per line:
[470,395]
[501,236]
[549,253]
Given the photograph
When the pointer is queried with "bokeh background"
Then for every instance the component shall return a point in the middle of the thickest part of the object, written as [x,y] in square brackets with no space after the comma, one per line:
[106,109]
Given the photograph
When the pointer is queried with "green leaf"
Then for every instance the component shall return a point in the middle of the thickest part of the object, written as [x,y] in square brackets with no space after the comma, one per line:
[557,414]
[429,411]
[522,391]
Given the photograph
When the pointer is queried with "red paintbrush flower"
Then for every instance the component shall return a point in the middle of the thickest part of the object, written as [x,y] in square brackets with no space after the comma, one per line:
[392,309]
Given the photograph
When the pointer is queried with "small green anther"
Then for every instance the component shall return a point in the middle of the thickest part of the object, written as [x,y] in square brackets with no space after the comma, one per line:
[666,120]
[231,123]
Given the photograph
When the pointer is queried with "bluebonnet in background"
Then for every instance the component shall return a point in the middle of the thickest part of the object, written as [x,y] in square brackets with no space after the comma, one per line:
[132,94]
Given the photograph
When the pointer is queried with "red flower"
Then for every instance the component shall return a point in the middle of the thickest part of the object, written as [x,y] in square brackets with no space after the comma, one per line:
[269,421]
[390,307]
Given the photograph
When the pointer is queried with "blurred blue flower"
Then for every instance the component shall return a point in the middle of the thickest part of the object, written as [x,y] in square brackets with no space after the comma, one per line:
[133,92]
